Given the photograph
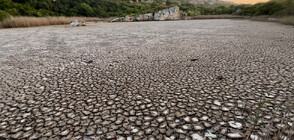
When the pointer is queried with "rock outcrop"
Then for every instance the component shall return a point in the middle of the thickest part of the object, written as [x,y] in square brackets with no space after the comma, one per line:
[172,13]
[117,19]
[139,17]
[128,18]
[77,23]
[148,17]
[161,15]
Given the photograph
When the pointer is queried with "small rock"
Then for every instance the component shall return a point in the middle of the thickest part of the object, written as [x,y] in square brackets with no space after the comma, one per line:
[210,135]
[64,133]
[194,119]
[219,77]
[187,119]
[76,23]
[254,137]
[160,119]
[34,136]
[147,118]
[181,131]
[235,135]
[17,135]
[90,131]
[207,125]
[236,125]
[204,118]
[225,108]
[186,127]
[135,130]
[217,102]
[193,60]
[198,127]
[113,96]
[110,135]
[224,131]
[196,137]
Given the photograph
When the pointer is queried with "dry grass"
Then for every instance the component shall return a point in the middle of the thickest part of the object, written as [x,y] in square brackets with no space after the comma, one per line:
[287,20]
[15,22]
[260,18]
[217,17]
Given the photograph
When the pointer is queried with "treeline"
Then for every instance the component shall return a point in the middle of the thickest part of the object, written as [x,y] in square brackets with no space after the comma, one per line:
[115,8]
[277,8]
[89,8]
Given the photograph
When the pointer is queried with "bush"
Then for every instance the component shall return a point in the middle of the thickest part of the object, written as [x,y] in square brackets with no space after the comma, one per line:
[268,8]
[4,15]
[85,10]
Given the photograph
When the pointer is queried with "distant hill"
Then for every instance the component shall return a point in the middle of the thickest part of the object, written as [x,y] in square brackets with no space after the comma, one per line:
[198,2]
[203,2]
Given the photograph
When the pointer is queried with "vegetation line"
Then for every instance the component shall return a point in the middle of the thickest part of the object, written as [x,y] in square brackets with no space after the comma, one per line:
[56,11]
[15,22]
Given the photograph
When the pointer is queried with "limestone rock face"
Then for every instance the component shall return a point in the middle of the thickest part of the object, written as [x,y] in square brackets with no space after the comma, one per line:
[148,16]
[128,18]
[139,17]
[172,13]
[116,20]
[161,15]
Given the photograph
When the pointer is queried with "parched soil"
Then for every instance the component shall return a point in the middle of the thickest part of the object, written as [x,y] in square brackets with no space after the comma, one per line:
[163,80]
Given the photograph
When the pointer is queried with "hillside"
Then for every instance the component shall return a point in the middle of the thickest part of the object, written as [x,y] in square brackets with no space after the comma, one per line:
[203,2]
[107,8]
[117,8]
[198,2]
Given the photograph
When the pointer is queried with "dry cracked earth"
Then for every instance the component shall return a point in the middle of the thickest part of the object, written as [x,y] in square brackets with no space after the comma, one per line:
[201,79]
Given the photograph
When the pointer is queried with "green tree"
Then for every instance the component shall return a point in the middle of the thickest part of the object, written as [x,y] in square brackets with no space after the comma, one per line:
[43,5]
[4,15]
[85,10]
[13,11]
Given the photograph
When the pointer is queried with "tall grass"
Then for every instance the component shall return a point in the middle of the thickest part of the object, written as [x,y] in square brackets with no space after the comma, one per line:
[15,22]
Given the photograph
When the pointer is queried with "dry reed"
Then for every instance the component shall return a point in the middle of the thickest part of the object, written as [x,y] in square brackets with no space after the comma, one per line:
[15,22]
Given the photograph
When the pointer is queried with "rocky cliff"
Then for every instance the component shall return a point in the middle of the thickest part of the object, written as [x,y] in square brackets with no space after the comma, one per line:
[208,2]
[172,13]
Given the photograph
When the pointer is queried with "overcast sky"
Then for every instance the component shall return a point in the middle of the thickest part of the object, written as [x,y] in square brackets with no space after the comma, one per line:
[247,1]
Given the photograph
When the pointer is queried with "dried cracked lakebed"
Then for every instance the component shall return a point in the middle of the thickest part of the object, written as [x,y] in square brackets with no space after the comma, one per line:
[148,80]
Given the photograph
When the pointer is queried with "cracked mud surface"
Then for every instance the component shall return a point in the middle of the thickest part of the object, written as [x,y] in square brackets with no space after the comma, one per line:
[144,80]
